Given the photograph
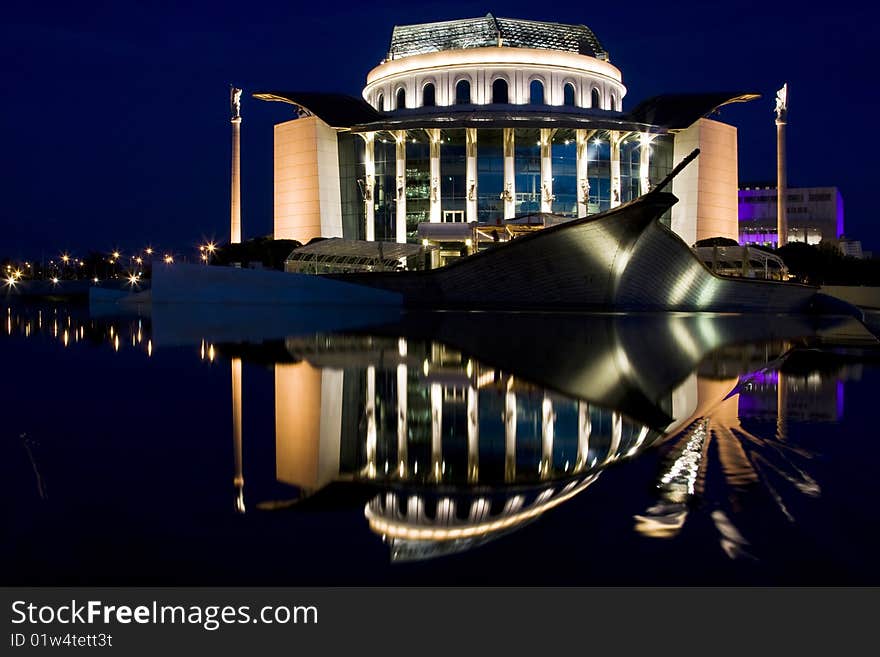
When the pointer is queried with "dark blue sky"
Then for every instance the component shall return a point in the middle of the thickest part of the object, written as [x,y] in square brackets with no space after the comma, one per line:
[115,114]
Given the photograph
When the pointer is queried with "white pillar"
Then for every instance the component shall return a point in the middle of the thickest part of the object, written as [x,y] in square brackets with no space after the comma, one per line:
[585,428]
[369,185]
[616,433]
[546,170]
[238,479]
[235,205]
[400,229]
[781,183]
[473,434]
[582,138]
[471,173]
[615,139]
[434,140]
[402,385]
[509,194]
[509,435]
[645,140]
[370,413]
[548,420]
[436,431]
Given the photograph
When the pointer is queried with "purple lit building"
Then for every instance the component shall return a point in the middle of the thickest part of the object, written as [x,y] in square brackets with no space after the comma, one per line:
[814,214]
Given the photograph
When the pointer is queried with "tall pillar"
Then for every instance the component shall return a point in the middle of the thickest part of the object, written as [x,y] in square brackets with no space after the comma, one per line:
[436,432]
[546,170]
[238,479]
[369,185]
[645,140]
[434,140]
[615,139]
[548,418]
[471,173]
[370,413]
[781,183]
[402,390]
[400,228]
[616,433]
[509,193]
[585,428]
[235,194]
[473,435]
[582,138]
[509,434]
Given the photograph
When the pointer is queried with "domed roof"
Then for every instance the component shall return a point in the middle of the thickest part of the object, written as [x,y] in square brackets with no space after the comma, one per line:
[489,31]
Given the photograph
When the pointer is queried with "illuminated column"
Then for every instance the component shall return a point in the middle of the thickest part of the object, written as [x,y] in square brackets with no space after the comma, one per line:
[473,435]
[509,193]
[616,431]
[546,170]
[585,428]
[645,140]
[781,183]
[434,139]
[471,173]
[370,413]
[402,388]
[238,479]
[615,138]
[781,406]
[509,433]
[235,204]
[400,229]
[547,430]
[369,185]
[582,138]
[436,431]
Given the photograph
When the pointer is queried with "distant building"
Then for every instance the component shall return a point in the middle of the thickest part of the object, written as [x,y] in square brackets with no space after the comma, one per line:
[851,248]
[814,214]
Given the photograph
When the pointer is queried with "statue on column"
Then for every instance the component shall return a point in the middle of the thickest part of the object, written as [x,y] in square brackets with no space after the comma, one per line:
[400,187]
[235,102]
[782,103]
[434,190]
[472,191]
[585,191]
[506,196]
[548,197]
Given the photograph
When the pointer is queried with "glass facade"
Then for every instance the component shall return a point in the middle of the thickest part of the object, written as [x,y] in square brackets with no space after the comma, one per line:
[599,174]
[563,154]
[453,174]
[385,192]
[490,176]
[527,170]
[418,180]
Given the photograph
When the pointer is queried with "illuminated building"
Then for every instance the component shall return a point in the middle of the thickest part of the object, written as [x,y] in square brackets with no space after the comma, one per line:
[480,121]
[813,214]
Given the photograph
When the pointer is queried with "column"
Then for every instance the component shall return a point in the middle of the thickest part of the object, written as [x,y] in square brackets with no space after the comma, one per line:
[585,428]
[616,432]
[645,140]
[615,138]
[548,418]
[370,413]
[473,435]
[436,210]
[582,138]
[781,183]
[235,195]
[471,174]
[402,390]
[436,432]
[509,194]
[546,170]
[510,433]
[238,479]
[369,185]
[400,228]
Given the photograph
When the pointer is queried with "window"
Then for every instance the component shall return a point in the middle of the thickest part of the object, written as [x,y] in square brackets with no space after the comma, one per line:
[428,96]
[401,98]
[380,102]
[463,92]
[499,91]
[595,99]
[568,94]
[536,93]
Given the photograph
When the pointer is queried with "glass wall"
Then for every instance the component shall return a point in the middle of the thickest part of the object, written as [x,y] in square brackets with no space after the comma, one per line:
[599,173]
[630,152]
[418,180]
[563,153]
[527,170]
[385,191]
[453,169]
[490,175]
[352,184]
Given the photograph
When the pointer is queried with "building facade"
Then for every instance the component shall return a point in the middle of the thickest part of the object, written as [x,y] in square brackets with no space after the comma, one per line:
[481,121]
[814,214]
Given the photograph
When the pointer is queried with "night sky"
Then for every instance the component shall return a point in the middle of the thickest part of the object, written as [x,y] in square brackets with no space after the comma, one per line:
[116,125]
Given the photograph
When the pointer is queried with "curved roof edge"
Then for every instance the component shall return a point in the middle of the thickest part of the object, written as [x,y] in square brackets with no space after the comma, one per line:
[336,110]
[678,111]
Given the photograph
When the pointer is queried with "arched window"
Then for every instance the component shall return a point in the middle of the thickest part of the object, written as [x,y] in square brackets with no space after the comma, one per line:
[401,98]
[536,93]
[568,94]
[499,91]
[463,92]
[380,102]
[428,96]
[595,99]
